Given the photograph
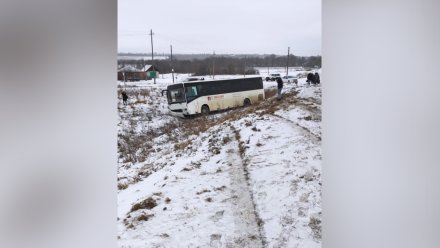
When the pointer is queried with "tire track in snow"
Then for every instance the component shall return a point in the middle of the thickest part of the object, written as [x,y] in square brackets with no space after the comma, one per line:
[246,218]
[285,228]
[316,139]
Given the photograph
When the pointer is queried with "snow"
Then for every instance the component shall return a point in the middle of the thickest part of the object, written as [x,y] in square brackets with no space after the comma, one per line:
[277,167]
[251,179]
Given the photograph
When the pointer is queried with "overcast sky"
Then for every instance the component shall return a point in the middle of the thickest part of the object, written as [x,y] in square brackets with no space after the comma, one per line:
[223,26]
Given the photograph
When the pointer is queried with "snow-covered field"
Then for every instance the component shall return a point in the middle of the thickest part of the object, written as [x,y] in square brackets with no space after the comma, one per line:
[249,177]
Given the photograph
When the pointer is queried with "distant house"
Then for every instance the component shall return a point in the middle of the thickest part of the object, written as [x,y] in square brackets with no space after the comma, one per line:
[151,71]
[132,73]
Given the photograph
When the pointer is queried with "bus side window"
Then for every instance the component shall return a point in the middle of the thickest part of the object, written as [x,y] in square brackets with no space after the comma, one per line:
[191,92]
[194,90]
[235,86]
[224,86]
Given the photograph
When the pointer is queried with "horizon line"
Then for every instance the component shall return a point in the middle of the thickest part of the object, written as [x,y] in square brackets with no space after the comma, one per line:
[162,53]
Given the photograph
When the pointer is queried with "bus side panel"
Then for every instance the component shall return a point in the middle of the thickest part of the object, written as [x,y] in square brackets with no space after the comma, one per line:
[224,101]
[194,107]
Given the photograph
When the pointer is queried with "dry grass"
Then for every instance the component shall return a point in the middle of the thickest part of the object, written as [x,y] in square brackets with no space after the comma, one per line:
[182,145]
[220,188]
[140,102]
[255,129]
[241,144]
[260,222]
[226,140]
[122,186]
[195,127]
[241,148]
[144,217]
[215,150]
[148,203]
[144,92]
[133,148]
[203,191]
[169,128]
[144,173]
[315,225]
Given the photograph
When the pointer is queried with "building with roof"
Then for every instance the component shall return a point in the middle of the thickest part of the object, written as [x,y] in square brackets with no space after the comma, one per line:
[132,73]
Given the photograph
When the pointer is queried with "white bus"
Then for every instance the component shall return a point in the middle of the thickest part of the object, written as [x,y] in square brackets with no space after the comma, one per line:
[202,97]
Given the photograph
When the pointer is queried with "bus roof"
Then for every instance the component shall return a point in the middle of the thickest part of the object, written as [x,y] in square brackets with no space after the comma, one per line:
[223,79]
[178,85]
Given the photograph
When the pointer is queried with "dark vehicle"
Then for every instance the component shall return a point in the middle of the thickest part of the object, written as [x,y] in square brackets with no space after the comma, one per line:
[273,77]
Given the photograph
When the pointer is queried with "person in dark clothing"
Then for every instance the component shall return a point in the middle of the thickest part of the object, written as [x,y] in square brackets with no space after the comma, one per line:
[317,79]
[280,87]
[124,97]
[310,78]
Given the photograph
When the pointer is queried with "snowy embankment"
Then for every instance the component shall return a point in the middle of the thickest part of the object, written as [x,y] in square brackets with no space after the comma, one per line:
[249,177]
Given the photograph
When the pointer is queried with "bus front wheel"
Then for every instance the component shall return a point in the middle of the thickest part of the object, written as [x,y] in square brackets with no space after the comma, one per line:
[205,110]
[247,102]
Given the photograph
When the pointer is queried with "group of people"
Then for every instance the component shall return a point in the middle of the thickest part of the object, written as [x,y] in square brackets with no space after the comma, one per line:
[311,79]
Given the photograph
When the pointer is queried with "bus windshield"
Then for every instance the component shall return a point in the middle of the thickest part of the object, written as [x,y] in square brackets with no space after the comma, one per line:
[176,94]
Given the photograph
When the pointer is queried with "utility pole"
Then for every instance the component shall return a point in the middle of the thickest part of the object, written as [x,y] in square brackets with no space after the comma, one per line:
[287,66]
[267,65]
[244,70]
[272,60]
[171,57]
[213,65]
[125,80]
[152,55]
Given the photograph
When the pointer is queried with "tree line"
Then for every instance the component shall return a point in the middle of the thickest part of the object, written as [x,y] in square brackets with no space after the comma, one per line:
[225,64]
